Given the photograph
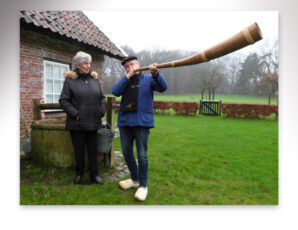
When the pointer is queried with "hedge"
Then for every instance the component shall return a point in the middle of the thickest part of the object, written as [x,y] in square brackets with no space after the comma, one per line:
[228,109]
[181,108]
[248,110]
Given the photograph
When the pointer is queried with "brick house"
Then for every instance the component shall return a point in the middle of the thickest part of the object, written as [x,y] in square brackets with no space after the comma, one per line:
[48,42]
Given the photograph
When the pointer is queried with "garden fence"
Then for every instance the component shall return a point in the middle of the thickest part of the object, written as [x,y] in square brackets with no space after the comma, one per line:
[209,108]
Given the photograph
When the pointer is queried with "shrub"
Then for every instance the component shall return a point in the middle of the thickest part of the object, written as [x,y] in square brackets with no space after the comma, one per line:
[185,108]
[248,110]
[162,105]
[181,108]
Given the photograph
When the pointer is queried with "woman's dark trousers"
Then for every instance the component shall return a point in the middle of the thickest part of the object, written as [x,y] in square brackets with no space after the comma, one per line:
[81,139]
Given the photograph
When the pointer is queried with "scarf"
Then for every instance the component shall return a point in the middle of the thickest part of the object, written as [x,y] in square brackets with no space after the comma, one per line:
[131,94]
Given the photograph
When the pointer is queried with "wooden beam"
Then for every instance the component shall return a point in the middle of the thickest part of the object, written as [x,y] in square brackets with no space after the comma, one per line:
[109,157]
[50,106]
[36,109]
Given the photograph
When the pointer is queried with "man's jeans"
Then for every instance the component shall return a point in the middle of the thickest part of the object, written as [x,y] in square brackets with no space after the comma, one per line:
[127,136]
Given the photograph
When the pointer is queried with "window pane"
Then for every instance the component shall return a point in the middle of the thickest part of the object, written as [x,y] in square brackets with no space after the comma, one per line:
[63,69]
[49,98]
[56,98]
[61,85]
[48,71]
[49,86]
[57,87]
[56,72]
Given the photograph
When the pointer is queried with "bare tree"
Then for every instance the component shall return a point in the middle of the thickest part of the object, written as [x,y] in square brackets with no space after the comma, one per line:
[201,78]
[270,84]
[231,70]
[215,77]
[270,69]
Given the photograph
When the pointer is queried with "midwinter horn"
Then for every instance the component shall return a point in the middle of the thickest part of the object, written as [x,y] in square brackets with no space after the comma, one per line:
[247,36]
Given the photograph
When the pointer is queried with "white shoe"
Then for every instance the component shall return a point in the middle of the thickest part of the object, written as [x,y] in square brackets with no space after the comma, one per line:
[129,183]
[141,194]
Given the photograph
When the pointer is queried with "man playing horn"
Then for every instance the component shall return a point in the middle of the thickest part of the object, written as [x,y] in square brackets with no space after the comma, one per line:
[135,118]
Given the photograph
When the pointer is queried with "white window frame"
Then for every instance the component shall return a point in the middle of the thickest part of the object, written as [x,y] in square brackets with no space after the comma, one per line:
[61,79]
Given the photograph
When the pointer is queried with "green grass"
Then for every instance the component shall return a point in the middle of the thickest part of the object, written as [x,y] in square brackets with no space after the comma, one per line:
[193,160]
[225,98]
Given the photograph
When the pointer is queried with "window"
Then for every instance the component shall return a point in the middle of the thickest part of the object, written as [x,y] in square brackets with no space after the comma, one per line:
[53,80]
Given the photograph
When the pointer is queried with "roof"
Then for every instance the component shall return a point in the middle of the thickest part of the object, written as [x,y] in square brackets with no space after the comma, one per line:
[73,25]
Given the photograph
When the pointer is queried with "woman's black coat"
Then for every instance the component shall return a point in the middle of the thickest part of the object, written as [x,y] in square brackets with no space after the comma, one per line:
[82,96]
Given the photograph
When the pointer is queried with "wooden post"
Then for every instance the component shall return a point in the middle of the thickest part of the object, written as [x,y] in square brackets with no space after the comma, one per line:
[109,158]
[36,109]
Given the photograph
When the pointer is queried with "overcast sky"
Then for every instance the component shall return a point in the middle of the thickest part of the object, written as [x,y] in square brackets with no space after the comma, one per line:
[185,29]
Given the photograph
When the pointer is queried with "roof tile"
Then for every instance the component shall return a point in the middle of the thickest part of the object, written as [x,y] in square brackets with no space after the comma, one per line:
[75,25]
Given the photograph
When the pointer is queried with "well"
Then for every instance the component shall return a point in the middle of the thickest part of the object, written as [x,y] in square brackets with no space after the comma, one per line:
[51,143]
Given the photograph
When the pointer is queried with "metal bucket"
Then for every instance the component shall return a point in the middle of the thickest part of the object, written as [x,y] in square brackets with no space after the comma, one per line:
[104,139]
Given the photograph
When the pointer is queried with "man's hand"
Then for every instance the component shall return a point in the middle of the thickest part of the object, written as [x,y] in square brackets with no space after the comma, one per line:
[130,73]
[153,70]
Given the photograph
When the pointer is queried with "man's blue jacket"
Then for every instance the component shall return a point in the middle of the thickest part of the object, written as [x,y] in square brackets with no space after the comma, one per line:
[144,114]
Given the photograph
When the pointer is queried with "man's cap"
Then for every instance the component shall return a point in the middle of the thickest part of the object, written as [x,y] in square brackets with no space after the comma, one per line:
[128,58]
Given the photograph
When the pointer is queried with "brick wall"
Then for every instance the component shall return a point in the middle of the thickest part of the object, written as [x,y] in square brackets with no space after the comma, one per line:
[34,48]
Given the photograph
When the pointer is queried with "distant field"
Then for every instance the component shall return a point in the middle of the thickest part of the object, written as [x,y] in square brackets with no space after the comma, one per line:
[225,98]
[220,97]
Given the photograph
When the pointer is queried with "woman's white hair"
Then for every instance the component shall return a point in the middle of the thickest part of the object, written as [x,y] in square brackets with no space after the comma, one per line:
[80,58]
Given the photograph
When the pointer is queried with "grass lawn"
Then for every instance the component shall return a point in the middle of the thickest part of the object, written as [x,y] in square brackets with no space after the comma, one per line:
[224,98]
[193,160]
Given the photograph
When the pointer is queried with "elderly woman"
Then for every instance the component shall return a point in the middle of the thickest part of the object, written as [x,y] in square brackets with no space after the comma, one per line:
[84,103]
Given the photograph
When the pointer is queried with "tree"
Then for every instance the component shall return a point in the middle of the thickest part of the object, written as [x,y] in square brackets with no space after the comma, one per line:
[249,74]
[200,76]
[113,70]
[269,70]
[270,84]
[232,69]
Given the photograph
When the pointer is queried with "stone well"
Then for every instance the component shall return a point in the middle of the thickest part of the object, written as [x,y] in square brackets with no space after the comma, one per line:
[51,143]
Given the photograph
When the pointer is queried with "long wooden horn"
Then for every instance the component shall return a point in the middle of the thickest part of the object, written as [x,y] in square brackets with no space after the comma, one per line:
[247,36]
